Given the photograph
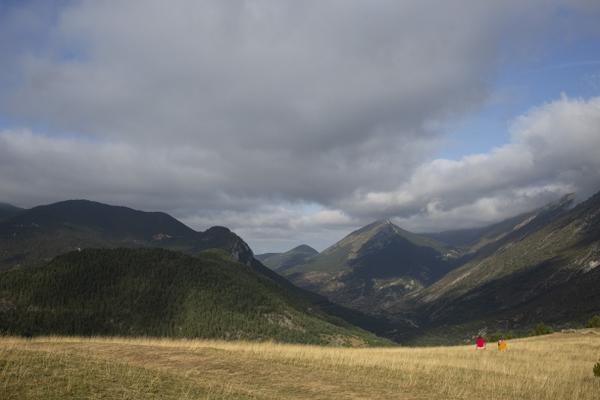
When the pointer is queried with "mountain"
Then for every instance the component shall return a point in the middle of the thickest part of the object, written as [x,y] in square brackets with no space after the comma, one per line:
[157,292]
[492,236]
[544,234]
[373,267]
[37,235]
[8,210]
[543,270]
[281,261]
[538,266]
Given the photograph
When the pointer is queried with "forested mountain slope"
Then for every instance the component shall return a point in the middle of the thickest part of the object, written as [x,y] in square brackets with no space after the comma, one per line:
[156,292]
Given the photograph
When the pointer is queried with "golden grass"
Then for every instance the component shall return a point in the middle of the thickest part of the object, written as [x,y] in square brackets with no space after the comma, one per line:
[557,366]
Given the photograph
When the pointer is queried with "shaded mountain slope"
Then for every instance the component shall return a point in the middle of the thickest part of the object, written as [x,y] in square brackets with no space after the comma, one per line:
[550,274]
[491,237]
[291,258]
[570,237]
[37,235]
[539,266]
[373,267]
[157,292]
[8,211]
[367,243]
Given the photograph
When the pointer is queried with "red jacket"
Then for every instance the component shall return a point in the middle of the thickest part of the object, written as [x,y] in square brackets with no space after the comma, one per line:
[480,342]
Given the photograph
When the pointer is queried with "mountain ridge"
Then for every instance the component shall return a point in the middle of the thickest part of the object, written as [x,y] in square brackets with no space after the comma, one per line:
[508,277]
[382,277]
[474,238]
[281,261]
[546,272]
[43,232]
[35,237]
[8,211]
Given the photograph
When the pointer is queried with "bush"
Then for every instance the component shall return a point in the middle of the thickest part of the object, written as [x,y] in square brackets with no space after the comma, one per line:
[541,329]
[597,369]
[594,322]
[494,337]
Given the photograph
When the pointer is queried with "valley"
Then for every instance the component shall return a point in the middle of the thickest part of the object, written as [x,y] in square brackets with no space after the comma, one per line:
[112,267]
[535,267]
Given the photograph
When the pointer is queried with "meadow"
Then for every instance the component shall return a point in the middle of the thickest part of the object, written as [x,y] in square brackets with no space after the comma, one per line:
[557,366]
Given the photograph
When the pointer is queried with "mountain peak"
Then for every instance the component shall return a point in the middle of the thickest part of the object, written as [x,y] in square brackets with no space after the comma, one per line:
[382,222]
[372,266]
[374,227]
[217,229]
[303,248]
[283,261]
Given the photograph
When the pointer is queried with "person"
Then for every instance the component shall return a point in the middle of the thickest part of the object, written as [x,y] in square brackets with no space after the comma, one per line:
[480,343]
[502,345]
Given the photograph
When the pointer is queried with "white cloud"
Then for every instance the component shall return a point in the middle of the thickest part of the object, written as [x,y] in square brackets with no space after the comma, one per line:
[553,151]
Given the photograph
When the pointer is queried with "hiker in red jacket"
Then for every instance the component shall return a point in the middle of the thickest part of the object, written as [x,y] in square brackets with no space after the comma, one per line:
[480,343]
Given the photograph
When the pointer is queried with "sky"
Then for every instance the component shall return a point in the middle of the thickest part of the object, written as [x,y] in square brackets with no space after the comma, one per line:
[296,122]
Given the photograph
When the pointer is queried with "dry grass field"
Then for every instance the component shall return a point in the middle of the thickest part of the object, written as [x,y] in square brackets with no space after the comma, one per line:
[557,366]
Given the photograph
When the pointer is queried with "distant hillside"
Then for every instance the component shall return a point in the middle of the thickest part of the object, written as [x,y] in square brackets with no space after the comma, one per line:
[282,261]
[373,266]
[37,235]
[545,235]
[8,211]
[545,270]
[155,292]
[538,266]
[473,240]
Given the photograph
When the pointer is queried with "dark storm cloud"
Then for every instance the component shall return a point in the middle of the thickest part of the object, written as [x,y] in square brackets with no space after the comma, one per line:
[242,112]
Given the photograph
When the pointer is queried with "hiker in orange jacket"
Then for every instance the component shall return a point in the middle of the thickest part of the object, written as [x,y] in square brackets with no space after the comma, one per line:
[502,345]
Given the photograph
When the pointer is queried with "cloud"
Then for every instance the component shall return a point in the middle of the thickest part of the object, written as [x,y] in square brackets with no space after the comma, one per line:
[243,113]
[553,151]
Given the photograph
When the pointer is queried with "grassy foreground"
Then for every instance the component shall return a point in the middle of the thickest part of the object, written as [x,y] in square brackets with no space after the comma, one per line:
[557,366]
